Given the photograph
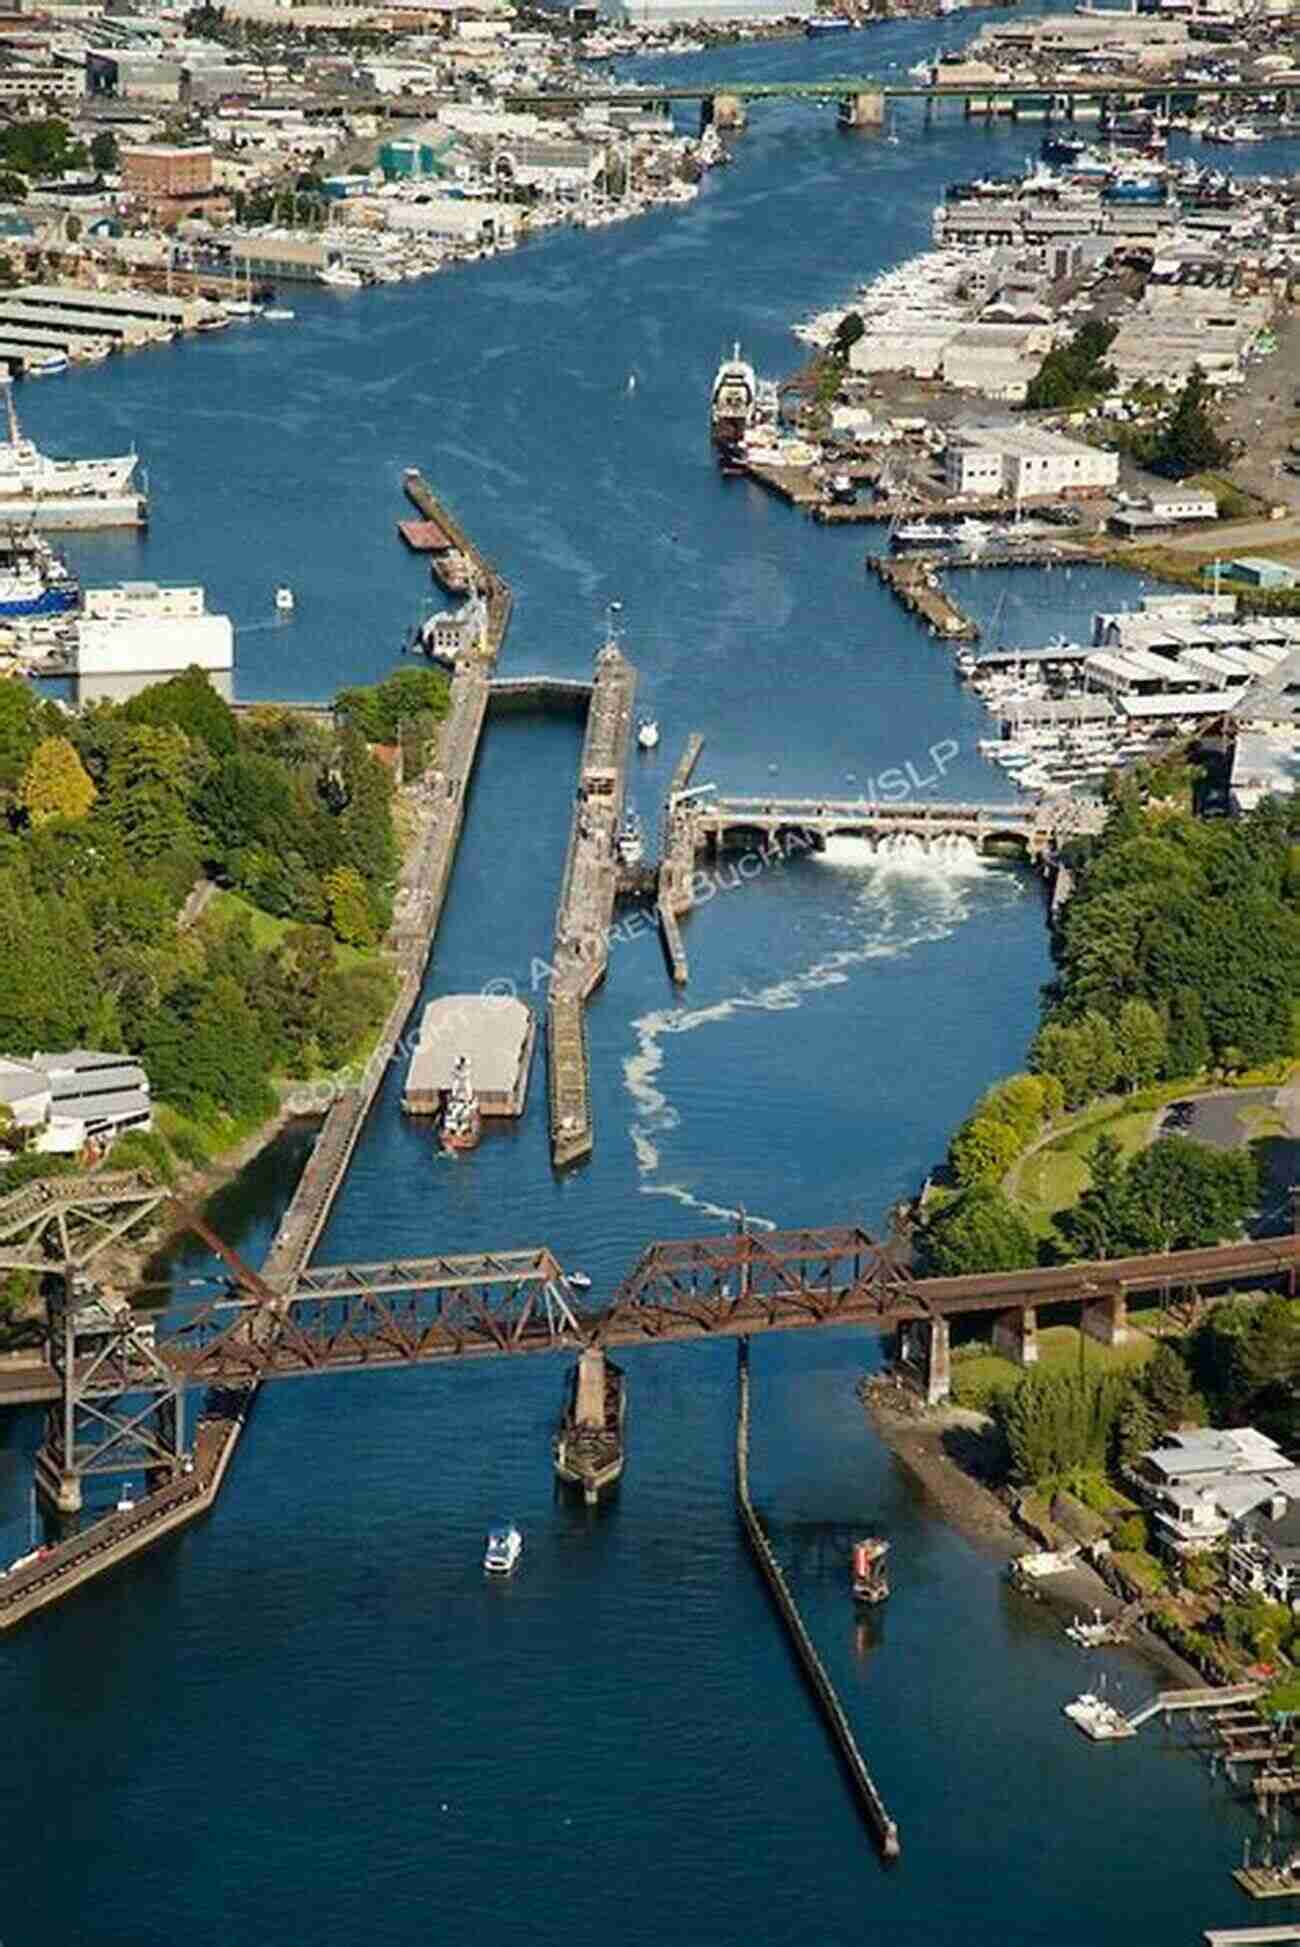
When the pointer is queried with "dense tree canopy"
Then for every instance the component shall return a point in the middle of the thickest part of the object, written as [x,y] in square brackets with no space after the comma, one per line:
[106,819]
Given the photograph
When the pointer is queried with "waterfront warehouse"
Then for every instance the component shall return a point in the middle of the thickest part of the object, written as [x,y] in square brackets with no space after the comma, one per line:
[496,1033]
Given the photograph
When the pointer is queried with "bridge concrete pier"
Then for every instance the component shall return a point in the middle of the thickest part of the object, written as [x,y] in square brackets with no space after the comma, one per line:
[865,110]
[723,112]
[57,1488]
[1015,1335]
[924,1346]
[1106,1319]
[589,1400]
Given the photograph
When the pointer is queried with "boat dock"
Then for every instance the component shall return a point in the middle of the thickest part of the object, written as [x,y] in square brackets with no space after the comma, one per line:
[873,1805]
[586,906]
[418,905]
[912,579]
[1167,1702]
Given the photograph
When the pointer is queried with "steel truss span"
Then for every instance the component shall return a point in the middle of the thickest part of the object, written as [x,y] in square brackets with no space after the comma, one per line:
[406,1311]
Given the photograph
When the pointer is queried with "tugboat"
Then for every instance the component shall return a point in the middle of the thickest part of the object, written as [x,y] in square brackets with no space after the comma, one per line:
[630,844]
[504,1547]
[735,395]
[870,1582]
[461,1124]
[588,1448]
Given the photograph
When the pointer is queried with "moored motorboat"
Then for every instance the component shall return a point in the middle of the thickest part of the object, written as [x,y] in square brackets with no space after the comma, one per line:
[870,1582]
[647,733]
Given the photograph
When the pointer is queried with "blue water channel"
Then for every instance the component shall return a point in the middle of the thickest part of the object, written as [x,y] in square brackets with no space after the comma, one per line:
[309,1720]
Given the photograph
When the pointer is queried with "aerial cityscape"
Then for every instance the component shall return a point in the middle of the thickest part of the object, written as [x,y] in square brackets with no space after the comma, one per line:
[650,769]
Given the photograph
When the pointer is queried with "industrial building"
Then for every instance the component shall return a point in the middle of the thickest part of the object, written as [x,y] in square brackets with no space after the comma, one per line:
[1024,461]
[138,628]
[495,1032]
[60,1103]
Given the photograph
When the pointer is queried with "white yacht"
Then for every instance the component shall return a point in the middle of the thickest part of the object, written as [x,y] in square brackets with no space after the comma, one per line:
[735,394]
[24,469]
[278,314]
[504,1547]
[647,733]
[341,278]
[1097,1718]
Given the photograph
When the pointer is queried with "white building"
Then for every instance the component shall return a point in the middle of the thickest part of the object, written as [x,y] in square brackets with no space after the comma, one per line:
[60,1103]
[1185,507]
[1024,461]
[140,628]
[1202,1481]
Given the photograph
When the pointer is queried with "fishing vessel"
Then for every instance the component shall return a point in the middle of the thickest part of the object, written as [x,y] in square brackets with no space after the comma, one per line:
[870,1582]
[588,1447]
[735,395]
[460,1125]
[647,733]
[26,471]
[630,843]
[505,1545]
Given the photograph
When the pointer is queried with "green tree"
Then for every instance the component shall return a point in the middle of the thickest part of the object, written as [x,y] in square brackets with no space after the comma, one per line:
[187,702]
[1181,1195]
[981,1230]
[1189,443]
[1136,1431]
[1187,1050]
[1140,1043]
[24,720]
[1075,373]
[55,784]
[1097,1224]
[349,907]
[378,711]
[1167,1384]
[847,333]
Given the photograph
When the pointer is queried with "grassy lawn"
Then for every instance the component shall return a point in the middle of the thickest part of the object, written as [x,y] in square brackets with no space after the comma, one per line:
[268,931]
[976,1376]
[1053,1177]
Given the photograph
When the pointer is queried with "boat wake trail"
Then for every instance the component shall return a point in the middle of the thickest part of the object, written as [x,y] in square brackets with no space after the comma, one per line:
[902,905]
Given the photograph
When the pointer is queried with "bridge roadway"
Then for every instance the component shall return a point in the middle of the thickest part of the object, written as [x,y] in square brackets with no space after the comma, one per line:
[839,87]
[348,1317]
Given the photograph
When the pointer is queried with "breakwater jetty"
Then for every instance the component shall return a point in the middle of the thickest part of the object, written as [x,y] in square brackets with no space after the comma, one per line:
[586,906]
[418,905]
[873,1805]
[479,572]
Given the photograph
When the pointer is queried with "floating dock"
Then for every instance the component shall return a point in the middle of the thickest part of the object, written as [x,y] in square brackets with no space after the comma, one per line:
[586,907]
[873,1805]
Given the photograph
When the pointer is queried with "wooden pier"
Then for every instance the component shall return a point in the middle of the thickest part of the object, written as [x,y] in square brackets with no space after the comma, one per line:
[873,1805]
[911,579]
[418,905]
[1167,1702]
[586,907]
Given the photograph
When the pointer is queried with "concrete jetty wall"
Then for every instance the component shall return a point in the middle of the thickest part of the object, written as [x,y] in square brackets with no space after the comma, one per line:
[873,1805]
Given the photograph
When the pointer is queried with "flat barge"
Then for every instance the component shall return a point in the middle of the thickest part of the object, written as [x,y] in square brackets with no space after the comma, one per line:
[589,1444]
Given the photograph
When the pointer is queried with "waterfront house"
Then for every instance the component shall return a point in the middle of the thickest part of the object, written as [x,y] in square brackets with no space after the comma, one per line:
[1264,1552]
[1199,1482]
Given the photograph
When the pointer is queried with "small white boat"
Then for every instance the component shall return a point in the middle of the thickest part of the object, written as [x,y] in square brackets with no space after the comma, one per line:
[630,844]
[284,600]
[504,1547]
[41,365]
[647,733]
[340,278]
[1097,1718]
[278,314]
[240,307]
[578,1279]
